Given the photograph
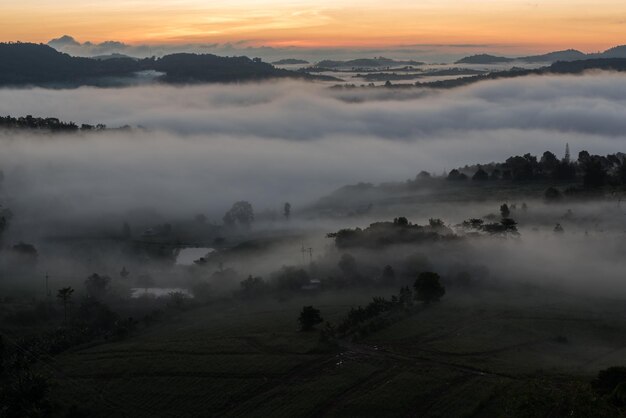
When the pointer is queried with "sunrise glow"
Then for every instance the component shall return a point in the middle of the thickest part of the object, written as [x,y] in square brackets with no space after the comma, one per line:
[542,25]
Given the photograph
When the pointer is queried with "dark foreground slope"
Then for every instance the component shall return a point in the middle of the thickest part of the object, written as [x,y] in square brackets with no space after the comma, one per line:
[481,355]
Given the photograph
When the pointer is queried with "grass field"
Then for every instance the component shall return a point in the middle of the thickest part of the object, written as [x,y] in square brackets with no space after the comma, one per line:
[488,355]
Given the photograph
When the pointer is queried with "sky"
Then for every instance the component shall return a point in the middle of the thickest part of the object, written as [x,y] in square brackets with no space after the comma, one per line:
[525,25]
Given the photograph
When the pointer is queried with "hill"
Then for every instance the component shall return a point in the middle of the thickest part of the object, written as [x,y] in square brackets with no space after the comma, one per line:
[567,55]
[615,52]
[290,61]
[37,64]
[367,63]
[561,67]
[484,59]
[25,63]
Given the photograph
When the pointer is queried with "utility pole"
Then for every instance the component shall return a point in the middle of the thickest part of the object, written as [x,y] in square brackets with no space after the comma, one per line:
[304,251]
[47,287]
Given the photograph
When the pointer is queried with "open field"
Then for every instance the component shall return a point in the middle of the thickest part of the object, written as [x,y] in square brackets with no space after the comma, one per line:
[487,354]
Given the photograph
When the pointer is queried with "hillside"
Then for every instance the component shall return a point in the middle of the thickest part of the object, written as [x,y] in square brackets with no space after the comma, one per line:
[567,55]
[37,64]
[366,63]
[290,61]
[484,59]
[25,63]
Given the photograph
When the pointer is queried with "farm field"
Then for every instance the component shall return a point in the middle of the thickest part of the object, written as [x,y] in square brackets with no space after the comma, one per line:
[496,353]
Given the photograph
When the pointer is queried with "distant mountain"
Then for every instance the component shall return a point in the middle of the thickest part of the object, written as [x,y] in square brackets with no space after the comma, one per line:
[26,63]
[567,55]
[38,64]
[63,41]
[111,56]
[189,68]
[484,59]
[367,63]
[615,52]
[290,61]
[561,67]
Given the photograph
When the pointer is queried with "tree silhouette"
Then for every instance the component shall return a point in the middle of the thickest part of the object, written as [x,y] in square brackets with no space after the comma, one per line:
[428,288]
[287,210]
[480,175]
[240,213]
[309,317]
[97,285]
[505,211]
[65,295]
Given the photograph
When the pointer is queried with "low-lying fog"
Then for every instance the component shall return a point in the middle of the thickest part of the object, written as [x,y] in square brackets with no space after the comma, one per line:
[203,147]
[207,146]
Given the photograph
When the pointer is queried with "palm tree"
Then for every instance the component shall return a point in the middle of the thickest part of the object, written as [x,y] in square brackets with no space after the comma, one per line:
[64,295]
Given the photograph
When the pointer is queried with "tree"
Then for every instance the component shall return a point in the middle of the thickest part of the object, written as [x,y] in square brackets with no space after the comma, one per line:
[552,195]
[253,286]
[428,287]
[549,162]
[240,213]
[505,211]
[287,210]
[456,175]
[480,175]
[436,223]
[389,276]
[405,297]
[347,265]
[97,285]
[594,173]
[401,221]
[65,295]
[309,317]
[124,273]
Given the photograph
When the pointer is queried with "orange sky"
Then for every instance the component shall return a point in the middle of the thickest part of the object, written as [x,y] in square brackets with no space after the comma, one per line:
[540,25]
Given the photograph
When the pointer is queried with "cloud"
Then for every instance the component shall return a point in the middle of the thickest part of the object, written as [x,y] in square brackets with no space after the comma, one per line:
[207,146]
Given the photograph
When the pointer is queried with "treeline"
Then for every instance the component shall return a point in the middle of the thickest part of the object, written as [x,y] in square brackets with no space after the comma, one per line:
[593,170]
[48,124]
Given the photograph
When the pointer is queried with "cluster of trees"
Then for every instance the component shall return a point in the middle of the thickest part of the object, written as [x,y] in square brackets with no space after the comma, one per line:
[594,170]
[359,321]
[400,231]
[48,124]
[506,225]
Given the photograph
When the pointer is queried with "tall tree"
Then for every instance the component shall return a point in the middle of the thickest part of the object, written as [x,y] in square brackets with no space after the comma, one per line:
[240,213]
[309,317]
[65,295]
[428,287]
[287,210]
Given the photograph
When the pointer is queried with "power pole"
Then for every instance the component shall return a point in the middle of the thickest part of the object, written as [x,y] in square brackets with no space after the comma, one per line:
[47,287]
